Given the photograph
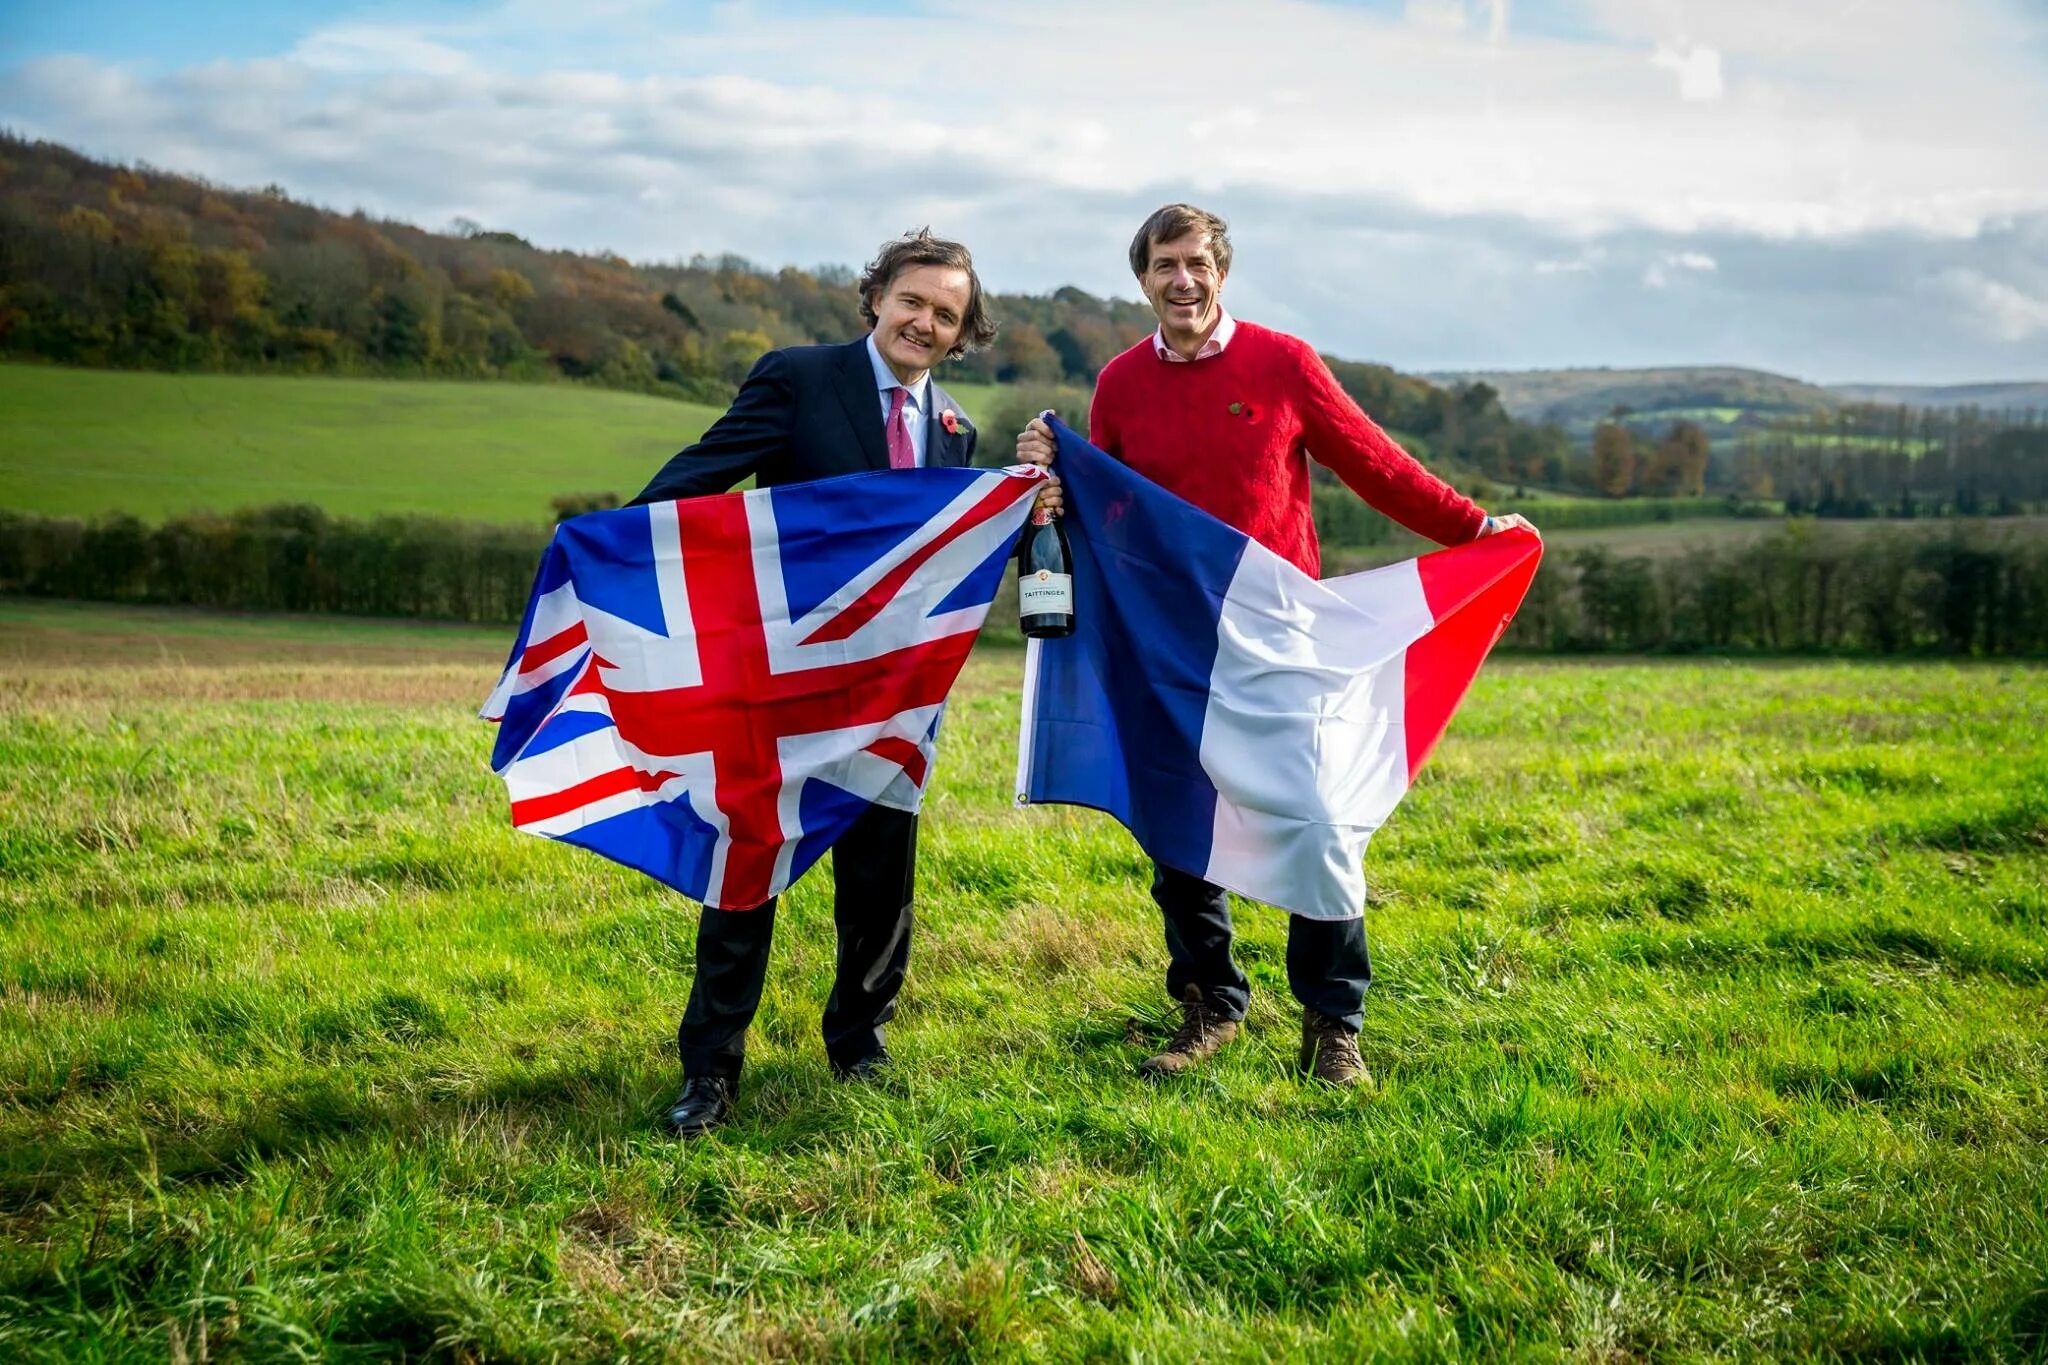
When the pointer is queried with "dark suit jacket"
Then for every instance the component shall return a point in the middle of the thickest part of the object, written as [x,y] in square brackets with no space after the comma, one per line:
[807,412]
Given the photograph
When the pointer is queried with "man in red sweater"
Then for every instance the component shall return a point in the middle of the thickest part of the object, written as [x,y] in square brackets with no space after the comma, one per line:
[1227,415]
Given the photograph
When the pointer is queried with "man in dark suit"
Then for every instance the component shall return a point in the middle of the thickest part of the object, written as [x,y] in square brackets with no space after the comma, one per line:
[810,412]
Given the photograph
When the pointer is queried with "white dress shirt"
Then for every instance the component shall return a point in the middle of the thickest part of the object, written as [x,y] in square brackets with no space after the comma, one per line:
[1226,326]
[914,406]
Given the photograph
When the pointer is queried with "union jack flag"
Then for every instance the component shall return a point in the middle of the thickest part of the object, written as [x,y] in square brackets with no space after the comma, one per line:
[712,690]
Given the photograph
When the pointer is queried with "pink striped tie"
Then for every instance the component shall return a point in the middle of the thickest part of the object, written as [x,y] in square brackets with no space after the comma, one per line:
[902,455]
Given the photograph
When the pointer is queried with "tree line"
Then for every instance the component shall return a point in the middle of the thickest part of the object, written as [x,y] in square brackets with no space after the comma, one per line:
[1870,460]
[287,557]
[1970,591]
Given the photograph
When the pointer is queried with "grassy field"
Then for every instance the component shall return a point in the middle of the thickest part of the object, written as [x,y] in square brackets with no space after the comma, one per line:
[1712,1018]
[1719,415]
[82,442]
[981,399]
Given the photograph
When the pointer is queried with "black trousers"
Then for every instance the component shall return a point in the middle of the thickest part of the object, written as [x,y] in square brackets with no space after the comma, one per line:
[1328,968]
[874,866]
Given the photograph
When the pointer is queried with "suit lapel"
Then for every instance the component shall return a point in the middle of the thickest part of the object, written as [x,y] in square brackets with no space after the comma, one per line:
[942,449]
[857,394]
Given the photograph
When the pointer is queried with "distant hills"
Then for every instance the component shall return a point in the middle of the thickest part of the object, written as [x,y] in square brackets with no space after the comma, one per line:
[1584,396]
[1726,400]
[1999,397]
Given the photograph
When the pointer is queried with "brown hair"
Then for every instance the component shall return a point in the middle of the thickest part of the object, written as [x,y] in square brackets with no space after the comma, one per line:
[1176,220]
[917,248]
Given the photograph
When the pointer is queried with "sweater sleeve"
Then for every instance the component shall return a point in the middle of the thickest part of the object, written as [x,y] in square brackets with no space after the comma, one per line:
[1393,482]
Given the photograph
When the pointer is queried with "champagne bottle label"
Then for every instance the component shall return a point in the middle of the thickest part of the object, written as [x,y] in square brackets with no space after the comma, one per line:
[1040,517]
[1045,592]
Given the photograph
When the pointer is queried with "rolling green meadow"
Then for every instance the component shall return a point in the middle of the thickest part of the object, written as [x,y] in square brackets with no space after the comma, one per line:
[1711,1020]
[88,442]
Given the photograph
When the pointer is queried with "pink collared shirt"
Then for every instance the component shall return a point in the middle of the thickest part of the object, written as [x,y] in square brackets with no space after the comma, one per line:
[1218,339]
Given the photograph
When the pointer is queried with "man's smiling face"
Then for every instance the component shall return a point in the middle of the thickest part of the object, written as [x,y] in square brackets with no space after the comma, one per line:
[918,317]
[1184,286]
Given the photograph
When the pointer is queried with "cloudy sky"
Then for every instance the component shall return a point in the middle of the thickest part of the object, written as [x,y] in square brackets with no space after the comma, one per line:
[1837,189]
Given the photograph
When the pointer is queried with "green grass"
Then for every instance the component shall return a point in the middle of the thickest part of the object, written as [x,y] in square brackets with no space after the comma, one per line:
[1717,415]
[1712,1018]
[1883,445]
[84,442]
[979,399]
[32,631]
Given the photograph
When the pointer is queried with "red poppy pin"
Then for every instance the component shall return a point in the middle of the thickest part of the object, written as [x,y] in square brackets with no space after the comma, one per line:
[1243,410]
[951,423]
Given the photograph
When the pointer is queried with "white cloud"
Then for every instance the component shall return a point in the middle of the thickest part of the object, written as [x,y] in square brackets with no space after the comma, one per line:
[1497,21]
[1926,133]
[1668,265]
[1435,16]
[2004,312]
[381,48]
[1590,258]
[1456,17]
[1698,68]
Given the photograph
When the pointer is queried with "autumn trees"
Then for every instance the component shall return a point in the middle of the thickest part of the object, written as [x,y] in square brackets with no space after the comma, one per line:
[1867,460]
[1673,465]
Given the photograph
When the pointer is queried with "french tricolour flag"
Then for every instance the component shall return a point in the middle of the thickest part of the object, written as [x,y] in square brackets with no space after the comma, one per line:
[1247,723]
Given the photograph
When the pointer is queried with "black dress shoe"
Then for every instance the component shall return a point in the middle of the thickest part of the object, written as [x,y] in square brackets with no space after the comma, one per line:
[868,1068]
[706,1102]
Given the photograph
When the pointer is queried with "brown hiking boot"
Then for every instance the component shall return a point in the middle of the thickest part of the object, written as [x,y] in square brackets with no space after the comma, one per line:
[1202,1030]
[1329,1051]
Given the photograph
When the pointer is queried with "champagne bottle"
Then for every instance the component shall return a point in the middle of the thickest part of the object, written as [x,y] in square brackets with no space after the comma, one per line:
[1045,578]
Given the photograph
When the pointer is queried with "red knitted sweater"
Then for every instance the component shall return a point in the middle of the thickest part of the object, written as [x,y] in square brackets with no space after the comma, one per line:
[1248,467]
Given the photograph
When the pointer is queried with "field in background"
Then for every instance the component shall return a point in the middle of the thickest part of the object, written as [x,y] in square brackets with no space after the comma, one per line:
[35,633]
[1711,1017]
[1662,539]
[89,442]
[1726,401]
[83,442]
